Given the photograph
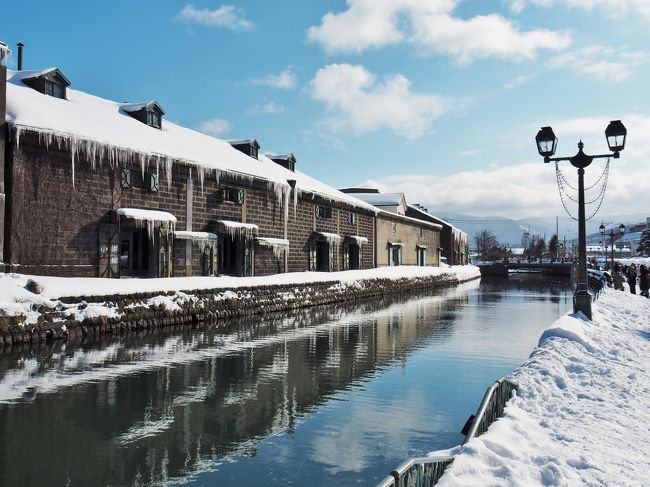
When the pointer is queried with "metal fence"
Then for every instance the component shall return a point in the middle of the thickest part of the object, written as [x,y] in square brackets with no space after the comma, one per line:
[418,472]
[491,408]
[425,472]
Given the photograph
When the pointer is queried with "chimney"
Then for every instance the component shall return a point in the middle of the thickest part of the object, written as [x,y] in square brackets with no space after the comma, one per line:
[20,55]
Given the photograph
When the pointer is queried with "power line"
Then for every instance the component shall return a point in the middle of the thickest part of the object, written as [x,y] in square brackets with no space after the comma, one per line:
[511,220]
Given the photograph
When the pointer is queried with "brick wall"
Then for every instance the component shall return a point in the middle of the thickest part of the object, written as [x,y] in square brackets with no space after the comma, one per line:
[55,225]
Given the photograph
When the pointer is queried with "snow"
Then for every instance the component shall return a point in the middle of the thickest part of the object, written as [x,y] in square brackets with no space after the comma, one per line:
[380,199]
[14,299]
[239,229]
[149,218]
[4,51]
[331,238]
[582,413]
[135,107]
[195,236]
[97,130]
[146,215]
[279,245]
[358,239]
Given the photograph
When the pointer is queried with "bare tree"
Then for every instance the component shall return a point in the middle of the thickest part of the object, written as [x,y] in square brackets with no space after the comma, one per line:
[486,243]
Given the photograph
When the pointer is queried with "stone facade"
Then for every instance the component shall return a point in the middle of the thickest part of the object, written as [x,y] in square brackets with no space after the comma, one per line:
[54,225]
[399,239]
[453,242]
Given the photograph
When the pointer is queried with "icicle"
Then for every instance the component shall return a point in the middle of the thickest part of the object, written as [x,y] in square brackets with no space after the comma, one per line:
[143,164]
[295,202]
[18,130]
[200,170]
[73,153]
[168,170]
[287,195]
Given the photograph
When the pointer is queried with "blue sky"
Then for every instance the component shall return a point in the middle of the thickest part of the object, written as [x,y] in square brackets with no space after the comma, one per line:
[440,99]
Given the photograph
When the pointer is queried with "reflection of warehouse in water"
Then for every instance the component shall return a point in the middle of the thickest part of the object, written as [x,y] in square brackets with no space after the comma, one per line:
[221,396]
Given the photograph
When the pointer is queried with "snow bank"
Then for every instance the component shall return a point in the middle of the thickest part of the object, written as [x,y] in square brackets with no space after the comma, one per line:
[582,414]
[16,300]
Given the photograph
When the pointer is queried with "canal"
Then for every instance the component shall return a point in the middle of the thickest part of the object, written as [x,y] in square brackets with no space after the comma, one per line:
[323,396]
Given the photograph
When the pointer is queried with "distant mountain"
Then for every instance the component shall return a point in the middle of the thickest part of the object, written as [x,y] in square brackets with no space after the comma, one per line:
[510,231]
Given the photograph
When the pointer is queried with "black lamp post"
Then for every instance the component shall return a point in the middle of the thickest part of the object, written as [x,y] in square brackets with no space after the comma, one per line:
[546,140]
[613,236]
[602,241]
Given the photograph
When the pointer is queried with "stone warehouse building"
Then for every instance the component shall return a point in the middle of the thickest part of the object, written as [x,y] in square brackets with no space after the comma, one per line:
[453,241]
[400,239]
[92,187]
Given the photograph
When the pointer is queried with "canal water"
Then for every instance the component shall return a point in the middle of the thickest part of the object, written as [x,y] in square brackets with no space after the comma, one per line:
[335,395]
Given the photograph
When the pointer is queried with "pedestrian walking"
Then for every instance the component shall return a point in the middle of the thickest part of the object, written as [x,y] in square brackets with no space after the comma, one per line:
[618,278]
[631,278]
[643,280]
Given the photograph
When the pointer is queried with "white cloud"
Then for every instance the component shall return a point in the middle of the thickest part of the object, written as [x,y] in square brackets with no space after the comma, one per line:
[285,79]
[215,127]
[226,16]
[361,103]
[268,108]
[603,63]
[518,81]
[429,25]
[615,8]
[529,190]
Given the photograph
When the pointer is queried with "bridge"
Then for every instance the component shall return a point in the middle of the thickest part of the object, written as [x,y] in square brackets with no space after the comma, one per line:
[548,268]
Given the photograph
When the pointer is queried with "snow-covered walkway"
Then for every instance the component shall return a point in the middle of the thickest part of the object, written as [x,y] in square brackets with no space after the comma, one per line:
[582,414]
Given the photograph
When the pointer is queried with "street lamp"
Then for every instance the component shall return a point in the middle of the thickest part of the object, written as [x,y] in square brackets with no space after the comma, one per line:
[613,236]
[546,141]
[602,241]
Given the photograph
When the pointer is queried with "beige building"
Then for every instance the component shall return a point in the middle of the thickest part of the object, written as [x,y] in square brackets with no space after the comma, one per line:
[399,239]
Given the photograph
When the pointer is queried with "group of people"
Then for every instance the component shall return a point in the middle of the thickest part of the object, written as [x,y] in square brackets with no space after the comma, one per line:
[629,273]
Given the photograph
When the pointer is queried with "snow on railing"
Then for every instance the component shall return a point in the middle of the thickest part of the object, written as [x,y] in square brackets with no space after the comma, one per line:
[426,471]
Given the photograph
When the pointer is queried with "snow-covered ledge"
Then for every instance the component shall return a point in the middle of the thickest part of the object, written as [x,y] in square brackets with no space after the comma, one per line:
[150,218]
[146,215]
[331,238]
[279,245]
[357,239]
[238,229]
[195,236]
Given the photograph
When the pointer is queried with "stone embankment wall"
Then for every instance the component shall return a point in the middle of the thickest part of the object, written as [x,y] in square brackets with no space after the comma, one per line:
[97,315]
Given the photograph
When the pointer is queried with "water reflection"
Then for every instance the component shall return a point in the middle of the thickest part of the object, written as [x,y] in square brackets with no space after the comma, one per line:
[331,393]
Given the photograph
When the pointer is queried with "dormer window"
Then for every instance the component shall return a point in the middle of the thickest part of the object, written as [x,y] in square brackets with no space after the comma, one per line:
[149,113]
[153,119]
[54,89]
[50,82]
[250,147]
[287,161]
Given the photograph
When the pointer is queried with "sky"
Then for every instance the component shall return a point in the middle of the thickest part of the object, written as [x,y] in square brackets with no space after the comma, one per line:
[439,99]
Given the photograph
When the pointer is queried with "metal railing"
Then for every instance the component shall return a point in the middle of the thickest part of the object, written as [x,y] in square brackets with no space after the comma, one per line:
[420,472]
[491,408]
[426,471]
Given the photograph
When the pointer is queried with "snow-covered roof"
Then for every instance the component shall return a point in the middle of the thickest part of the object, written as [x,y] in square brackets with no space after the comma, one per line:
[307,183]
[135,107]
[329,237]
[417,221]
[146,215]
[196,236]
[4,50]
[396,244]
[243,141]
[380,199]
[427,214]
[281,157]
[97,128]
